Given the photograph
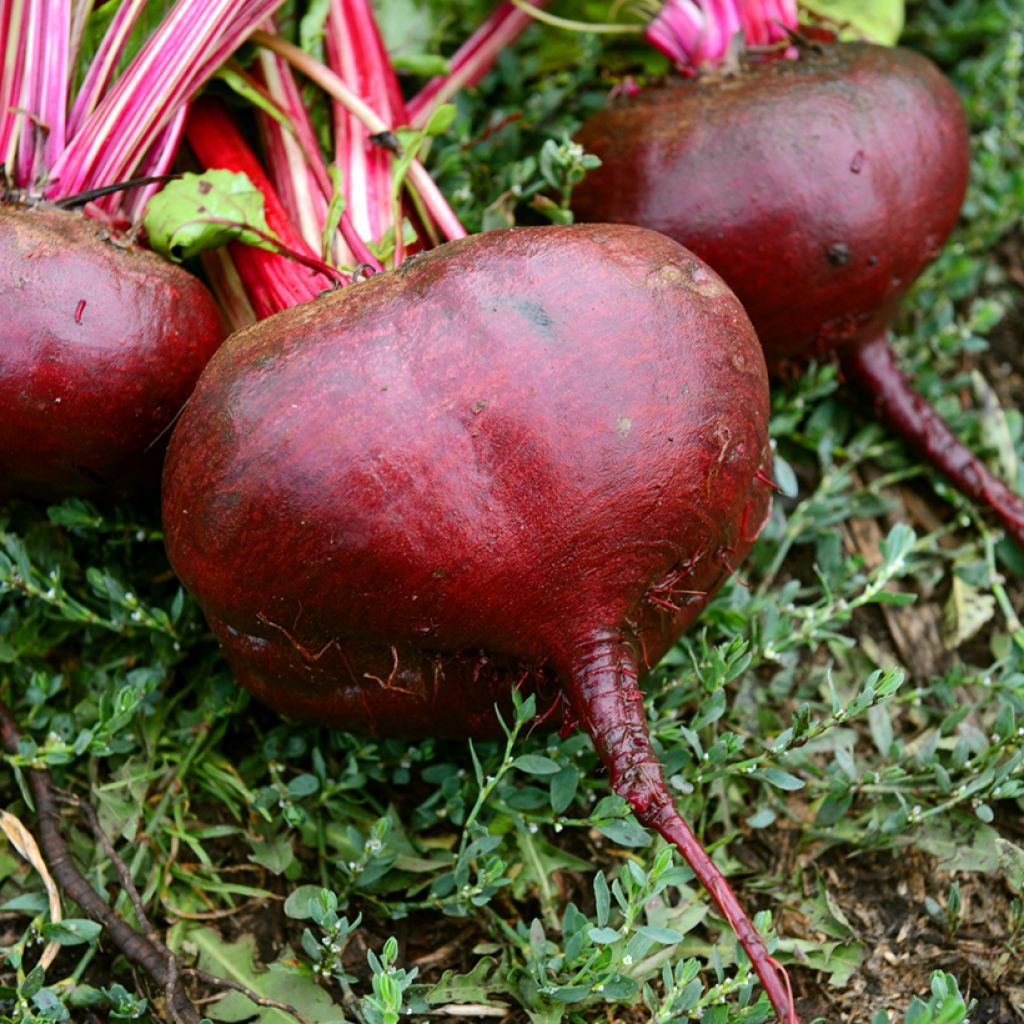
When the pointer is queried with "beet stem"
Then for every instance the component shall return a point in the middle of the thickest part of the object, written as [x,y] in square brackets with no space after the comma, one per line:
[602,685]
[871,365]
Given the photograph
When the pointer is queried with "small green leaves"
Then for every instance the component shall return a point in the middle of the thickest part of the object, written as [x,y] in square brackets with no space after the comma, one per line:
[945,1006]
[441,120]
[563,786]
[536,764]
[897,546]
[563,165]
[203,211]
[72,931]
[389,984]
[625,832]
[781,780]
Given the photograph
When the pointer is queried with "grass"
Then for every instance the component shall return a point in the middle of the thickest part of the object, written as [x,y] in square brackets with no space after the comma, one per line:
[845,728]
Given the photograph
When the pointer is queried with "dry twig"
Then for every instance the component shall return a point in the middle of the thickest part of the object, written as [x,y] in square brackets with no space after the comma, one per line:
[141,950]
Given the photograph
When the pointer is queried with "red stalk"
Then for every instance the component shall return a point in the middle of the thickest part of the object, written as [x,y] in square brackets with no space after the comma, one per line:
[298,188]
[871,366]
[56,82]
[765,21]
[80,10]
[296,166]
[297,207]
[156,162]
[24,110]
[695,34]
[11,12]
[362,86]
[59,145]
[104,63]
[272,282]
[293,159]
[367,103]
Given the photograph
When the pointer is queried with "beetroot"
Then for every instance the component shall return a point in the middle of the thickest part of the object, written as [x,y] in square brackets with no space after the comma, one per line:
[819,188]
[101,342]
[528,455]
[101,346]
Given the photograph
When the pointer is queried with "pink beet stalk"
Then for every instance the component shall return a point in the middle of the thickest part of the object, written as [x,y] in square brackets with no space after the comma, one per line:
[57,145]
[472,60]
[695,34]
[418,179]
[297,169]
[765,22]
[13,53]
[21,110]
[156,163]
[367,107]
[700,33]
[298,189]
[194,39]
[55,83]
[104,63]
[355,52]
[293,159]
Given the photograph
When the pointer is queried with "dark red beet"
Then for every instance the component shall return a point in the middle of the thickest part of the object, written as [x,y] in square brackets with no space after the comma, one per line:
[101,346]
[819,188]
[529,454]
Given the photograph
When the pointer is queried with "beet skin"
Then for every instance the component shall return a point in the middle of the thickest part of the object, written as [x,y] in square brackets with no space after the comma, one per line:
[528,455]
[101,345]
[819,188]
[512,445]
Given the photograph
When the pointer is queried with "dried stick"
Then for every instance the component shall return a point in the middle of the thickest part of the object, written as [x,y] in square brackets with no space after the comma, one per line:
[124,875]
[140,950]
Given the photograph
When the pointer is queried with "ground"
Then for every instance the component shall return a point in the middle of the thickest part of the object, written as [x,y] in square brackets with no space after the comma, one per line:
[854,764]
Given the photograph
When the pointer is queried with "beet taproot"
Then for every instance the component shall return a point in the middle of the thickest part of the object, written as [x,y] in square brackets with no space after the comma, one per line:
[101,345]
[819,188]
[525,456]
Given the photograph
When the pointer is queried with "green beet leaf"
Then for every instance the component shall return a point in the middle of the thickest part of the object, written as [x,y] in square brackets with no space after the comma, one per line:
[202,211]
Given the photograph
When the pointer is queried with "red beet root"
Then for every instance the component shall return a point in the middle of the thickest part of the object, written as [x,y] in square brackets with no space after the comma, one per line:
[527,454]
[101,346]
[819,188]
